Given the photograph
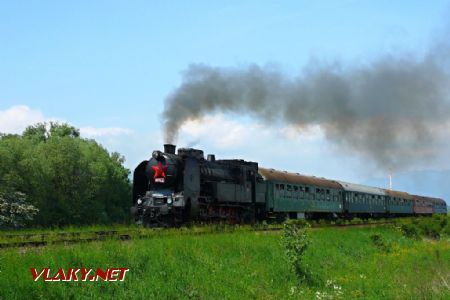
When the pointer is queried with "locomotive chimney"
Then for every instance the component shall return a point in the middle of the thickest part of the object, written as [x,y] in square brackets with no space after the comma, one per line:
[169,148]
[211,158]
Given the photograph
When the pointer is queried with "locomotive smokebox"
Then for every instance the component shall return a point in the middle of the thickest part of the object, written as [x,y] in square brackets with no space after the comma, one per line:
[169,148]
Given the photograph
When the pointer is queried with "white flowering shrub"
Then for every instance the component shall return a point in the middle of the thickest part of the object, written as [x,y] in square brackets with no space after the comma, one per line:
[14,210]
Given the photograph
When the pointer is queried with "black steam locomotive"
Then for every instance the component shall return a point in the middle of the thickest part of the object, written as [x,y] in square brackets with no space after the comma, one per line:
[171,189]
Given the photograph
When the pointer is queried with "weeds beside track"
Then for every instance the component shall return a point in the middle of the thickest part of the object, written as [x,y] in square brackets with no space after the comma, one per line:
[15,240]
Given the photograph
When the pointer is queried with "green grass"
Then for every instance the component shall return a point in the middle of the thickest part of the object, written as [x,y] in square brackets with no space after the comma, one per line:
[345,263]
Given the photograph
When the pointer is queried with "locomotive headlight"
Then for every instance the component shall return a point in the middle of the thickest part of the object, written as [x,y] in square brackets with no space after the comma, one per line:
[169,200]
[139,201]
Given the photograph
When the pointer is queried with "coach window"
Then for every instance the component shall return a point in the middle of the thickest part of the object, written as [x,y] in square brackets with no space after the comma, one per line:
[277,186]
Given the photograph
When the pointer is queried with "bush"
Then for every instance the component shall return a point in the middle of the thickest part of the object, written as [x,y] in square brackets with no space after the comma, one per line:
[430,227]
[356,221]
[295,240]
[323,222]
[379,243]
[446,230]
[410,231]
[15,211]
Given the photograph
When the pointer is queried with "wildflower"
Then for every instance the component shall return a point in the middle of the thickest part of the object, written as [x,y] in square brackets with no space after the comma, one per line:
[318,295]
[293,290]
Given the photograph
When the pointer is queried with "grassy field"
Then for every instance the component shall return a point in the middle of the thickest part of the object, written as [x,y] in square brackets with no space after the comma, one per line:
[343,262]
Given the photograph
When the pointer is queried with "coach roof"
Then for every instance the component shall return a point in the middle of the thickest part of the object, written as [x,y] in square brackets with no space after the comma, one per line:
[398,194]
[352,187]
[296,178]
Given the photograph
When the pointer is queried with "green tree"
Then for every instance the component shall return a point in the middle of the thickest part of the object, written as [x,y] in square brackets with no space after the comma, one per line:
[69,179]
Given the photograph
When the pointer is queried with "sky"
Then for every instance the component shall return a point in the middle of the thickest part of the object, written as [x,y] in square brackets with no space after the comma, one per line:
[107,67]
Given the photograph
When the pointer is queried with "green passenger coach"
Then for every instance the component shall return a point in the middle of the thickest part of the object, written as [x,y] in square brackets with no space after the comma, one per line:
[399,202]
[363,199]
[298,195]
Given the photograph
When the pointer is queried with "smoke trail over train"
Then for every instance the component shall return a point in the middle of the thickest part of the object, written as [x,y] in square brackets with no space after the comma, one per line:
[388,111]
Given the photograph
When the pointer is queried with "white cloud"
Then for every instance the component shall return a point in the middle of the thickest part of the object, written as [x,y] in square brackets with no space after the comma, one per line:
[285,148]
[93,132]
[17,118]
[218,131]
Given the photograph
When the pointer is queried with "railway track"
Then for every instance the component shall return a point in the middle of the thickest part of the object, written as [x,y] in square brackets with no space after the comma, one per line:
[68,238]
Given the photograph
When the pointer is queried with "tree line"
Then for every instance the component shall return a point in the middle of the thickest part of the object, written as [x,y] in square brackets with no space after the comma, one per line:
[50,176]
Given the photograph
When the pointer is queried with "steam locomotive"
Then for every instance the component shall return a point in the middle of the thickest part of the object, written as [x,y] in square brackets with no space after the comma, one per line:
[171,189]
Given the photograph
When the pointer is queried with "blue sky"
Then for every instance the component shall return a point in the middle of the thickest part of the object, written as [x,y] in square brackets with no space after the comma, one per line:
[107,66]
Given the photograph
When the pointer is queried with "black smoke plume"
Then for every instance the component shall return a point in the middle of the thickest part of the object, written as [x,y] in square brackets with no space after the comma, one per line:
[389,111]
